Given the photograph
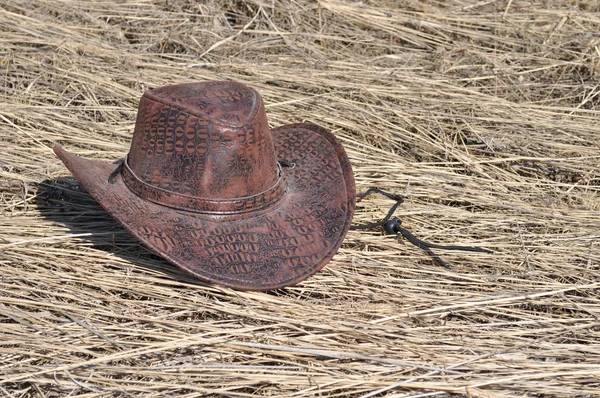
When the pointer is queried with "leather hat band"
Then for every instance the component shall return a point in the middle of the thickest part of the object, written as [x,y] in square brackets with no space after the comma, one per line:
[195,204]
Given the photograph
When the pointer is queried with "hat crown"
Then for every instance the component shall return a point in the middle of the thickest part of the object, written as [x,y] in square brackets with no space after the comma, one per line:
[205,140]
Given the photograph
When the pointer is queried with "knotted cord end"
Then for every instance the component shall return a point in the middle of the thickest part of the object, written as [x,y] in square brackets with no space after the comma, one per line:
[117,171]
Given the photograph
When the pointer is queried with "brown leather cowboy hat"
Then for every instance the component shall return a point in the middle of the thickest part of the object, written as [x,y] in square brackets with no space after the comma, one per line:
[210,187]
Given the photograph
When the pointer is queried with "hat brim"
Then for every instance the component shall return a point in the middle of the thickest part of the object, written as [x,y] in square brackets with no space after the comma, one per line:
[277,247]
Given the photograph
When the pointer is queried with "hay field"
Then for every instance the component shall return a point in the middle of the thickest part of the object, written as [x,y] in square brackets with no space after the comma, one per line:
[482,114]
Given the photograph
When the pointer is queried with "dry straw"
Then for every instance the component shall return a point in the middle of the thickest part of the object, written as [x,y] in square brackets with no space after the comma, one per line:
[481,113]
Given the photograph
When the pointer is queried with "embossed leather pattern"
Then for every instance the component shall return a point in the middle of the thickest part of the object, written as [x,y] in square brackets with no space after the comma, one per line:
[201,187]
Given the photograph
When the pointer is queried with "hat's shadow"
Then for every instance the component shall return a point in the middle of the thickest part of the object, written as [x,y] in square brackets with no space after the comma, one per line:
[63,201]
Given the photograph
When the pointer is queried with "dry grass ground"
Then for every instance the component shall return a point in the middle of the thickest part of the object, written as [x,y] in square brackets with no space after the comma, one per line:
[483,114]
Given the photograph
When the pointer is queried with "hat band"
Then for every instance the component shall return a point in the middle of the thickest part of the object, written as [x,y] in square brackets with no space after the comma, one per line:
[196,204]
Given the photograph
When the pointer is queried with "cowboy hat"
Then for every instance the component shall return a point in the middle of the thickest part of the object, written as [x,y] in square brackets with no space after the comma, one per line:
[208,186]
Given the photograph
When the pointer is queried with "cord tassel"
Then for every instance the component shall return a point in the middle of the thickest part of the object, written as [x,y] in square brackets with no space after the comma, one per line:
[393,226]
